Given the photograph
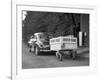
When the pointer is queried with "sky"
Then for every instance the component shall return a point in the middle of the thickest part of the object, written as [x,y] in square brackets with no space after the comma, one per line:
[24,14]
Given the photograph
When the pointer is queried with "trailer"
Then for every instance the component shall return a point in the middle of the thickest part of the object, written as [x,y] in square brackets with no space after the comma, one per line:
[64,45]
[60,45]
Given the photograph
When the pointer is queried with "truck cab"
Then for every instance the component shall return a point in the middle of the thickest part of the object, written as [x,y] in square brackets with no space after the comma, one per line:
[41,43]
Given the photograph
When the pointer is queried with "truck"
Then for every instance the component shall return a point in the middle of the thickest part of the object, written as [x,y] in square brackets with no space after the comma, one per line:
[62,45]
[40,43]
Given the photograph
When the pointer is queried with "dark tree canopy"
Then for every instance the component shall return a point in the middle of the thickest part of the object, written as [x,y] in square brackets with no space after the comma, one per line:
[51,22]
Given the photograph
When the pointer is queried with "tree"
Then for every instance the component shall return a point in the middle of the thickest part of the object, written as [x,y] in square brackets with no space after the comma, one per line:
[51,22]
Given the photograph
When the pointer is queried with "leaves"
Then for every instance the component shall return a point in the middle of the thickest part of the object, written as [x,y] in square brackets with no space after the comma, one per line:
[51,22]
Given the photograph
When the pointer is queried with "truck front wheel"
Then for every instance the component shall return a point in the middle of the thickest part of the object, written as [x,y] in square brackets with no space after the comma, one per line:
[37,50]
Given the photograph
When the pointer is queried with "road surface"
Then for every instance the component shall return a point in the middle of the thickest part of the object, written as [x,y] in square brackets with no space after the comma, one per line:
[49,60]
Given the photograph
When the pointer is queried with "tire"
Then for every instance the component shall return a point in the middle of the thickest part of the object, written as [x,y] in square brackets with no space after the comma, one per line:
[37,50]
[30,48]
[74,55]
[59,56]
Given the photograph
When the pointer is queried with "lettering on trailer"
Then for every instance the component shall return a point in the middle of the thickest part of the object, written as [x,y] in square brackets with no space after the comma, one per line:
[52,41]
[68,39]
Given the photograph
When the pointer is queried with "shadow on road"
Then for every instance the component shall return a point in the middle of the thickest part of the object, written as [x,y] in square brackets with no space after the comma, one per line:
[47,53]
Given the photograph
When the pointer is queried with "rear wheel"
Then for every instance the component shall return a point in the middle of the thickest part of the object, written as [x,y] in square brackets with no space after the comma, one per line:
[59,55]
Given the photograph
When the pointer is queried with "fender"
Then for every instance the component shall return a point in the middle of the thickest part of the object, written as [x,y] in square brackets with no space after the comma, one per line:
[38,44]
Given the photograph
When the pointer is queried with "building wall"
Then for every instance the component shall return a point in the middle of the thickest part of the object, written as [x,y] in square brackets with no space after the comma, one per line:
[84,27]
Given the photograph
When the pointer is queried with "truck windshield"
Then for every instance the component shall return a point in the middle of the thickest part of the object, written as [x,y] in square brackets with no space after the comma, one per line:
[44,37]
[41,36]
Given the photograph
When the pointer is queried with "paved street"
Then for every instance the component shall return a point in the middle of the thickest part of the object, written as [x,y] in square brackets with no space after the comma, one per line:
[49,60]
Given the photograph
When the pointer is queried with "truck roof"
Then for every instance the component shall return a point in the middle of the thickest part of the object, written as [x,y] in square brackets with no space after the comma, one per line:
[38,33]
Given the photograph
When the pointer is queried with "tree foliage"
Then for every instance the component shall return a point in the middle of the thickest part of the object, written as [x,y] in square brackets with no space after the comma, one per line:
[51,22]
